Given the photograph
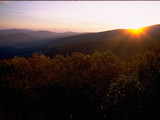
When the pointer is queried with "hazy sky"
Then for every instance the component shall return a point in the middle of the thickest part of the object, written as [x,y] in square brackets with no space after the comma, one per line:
[79,16]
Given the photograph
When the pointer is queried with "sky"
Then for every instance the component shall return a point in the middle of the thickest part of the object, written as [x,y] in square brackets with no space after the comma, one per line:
[78,16]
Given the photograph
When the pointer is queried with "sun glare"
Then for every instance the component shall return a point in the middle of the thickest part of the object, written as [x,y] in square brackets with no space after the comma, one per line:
[136,31]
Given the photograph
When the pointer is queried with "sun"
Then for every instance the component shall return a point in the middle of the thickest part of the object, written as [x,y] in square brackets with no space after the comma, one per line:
[136,31]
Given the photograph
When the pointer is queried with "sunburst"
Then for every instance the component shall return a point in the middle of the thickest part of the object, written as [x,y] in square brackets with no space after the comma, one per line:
[136,31]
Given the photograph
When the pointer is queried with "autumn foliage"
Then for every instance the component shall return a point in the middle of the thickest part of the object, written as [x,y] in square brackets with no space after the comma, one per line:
[98,86]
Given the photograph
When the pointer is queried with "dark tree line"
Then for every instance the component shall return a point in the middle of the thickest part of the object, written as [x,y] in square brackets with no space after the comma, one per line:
[101,86]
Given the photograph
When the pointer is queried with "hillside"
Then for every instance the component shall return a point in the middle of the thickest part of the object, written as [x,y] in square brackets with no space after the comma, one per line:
[14,41]
[21,37]
[101,86]
[118,79]
[121,42]
[16,38]
[13,31]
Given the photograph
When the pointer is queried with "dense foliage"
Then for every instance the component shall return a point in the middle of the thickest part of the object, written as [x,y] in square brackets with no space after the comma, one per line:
[98,86]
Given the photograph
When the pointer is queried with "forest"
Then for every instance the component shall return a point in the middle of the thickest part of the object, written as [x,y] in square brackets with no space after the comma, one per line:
[99,86]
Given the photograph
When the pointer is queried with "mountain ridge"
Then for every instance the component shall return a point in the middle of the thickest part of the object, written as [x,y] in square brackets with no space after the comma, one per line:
[12,37]
[120,41]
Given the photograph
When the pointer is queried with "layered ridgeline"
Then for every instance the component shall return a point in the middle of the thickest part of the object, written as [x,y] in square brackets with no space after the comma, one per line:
[20,37]
[124,42]
[100,86]
[12,41]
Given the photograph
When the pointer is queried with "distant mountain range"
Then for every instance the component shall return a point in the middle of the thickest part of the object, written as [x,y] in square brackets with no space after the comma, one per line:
[13,31]
[121,41]
[24,37]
